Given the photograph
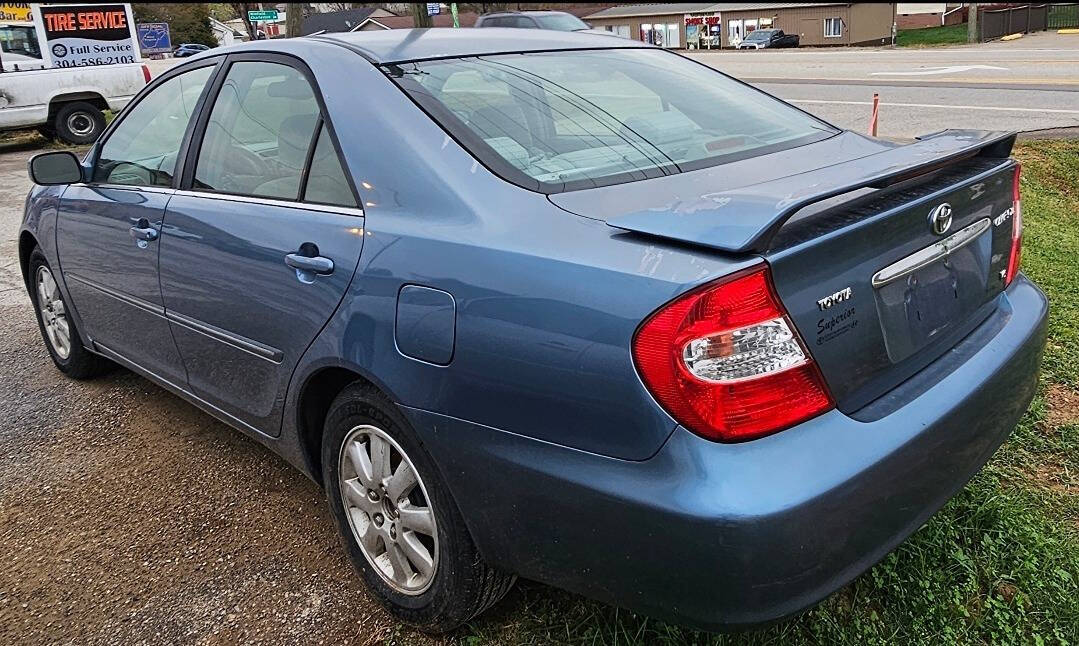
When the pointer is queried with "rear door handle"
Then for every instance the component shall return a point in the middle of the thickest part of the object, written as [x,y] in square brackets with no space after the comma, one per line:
[316,265]
[308,263]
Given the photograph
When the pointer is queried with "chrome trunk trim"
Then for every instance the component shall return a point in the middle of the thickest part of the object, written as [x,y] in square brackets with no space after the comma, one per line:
[930,254]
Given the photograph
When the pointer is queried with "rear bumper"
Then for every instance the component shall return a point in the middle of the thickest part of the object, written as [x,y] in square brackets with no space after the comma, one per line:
[718,536]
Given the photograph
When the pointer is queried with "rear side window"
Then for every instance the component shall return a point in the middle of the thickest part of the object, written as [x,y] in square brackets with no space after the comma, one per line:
[142,149]
[559,121]
[326,183]
[259,131]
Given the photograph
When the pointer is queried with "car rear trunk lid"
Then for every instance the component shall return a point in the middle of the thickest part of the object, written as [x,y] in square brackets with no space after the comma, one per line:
[877,293]
[874,290]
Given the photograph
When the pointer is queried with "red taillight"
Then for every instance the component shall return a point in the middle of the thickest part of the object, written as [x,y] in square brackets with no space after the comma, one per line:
[726,362]
[1016,252]
[146,73]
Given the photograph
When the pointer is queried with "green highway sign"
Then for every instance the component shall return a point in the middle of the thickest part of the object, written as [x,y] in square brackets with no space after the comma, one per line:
[262,16]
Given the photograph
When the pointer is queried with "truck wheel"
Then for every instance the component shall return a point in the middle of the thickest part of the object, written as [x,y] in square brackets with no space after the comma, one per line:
[79,123]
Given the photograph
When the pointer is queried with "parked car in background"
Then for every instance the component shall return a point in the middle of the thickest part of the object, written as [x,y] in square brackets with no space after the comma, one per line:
[68,102]
[556,20]
[611,320]
[188,49]
[768,39]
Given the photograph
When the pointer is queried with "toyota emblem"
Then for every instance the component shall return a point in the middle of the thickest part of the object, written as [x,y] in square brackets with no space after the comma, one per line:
[940,219]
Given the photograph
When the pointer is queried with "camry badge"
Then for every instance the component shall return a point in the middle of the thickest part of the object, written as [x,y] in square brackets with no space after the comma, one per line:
[940,219]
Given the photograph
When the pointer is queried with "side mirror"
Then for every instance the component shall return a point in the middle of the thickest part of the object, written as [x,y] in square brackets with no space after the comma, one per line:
[49,169]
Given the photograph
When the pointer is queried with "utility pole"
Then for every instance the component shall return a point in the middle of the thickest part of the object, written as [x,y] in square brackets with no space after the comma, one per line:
[972,22]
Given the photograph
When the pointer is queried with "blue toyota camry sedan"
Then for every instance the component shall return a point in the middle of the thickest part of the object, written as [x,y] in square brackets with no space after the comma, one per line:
[558,306]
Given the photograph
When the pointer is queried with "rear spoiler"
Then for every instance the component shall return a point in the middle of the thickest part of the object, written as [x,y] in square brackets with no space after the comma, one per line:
[745,219]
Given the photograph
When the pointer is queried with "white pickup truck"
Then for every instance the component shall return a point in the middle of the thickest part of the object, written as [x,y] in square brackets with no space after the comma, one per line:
[68,102]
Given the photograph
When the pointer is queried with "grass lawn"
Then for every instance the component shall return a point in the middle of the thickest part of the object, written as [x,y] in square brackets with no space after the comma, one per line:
[931,36]
[999,564]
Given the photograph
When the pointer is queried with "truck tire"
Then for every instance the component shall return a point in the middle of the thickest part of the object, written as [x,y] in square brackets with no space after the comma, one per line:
[78,122]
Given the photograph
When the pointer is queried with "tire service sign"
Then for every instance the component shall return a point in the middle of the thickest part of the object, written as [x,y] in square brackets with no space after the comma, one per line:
[80,35]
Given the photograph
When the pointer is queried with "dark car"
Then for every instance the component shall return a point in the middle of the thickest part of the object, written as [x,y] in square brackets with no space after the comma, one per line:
[189,49]
[559,306]
[768,38]
[556,20]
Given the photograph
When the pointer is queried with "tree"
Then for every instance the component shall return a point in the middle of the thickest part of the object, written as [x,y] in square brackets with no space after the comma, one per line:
[188,22]
[242,8]
[222,11]
[293,19]
[420,18]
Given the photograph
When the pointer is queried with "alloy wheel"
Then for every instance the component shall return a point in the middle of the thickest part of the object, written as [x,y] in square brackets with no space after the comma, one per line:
[53,313]
[388,509]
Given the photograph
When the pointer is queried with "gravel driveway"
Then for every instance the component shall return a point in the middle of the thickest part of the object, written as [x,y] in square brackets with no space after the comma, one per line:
[128,516]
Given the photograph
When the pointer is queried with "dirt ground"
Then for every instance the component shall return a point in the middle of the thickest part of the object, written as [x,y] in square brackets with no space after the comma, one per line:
[128,516]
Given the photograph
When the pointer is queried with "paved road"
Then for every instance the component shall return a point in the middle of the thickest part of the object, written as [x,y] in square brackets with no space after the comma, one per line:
[1028,84]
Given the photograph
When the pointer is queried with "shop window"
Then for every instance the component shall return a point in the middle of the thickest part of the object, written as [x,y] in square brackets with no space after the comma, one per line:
[674,37]
[833,27]
[655,34]
[734,31]
[618,30]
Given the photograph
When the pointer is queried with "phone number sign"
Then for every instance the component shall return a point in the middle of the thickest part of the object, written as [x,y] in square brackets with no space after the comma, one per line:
[79,35]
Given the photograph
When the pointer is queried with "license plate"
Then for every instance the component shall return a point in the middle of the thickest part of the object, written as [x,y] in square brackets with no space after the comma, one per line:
[929,292]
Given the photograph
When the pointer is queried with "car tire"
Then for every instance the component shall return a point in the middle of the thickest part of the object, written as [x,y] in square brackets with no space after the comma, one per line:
[66,350]
[79,122]
[459,585]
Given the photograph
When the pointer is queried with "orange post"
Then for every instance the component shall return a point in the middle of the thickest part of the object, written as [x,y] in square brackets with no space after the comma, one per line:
[873,117]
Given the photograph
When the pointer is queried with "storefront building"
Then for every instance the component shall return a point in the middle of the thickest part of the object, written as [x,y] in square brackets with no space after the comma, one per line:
[700,25]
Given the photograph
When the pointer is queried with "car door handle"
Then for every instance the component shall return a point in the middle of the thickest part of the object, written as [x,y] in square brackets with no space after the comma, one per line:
[314,264]
[144,233]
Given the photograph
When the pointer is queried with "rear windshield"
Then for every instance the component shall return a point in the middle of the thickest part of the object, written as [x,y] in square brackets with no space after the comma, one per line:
[567,120]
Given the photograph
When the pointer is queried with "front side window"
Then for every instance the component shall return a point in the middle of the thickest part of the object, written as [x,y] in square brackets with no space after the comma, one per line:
[833,28]
[143,149]
[259,131]
[560,121]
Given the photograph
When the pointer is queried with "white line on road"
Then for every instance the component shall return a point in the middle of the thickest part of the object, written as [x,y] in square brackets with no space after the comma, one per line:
[953,69]
[937,105]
